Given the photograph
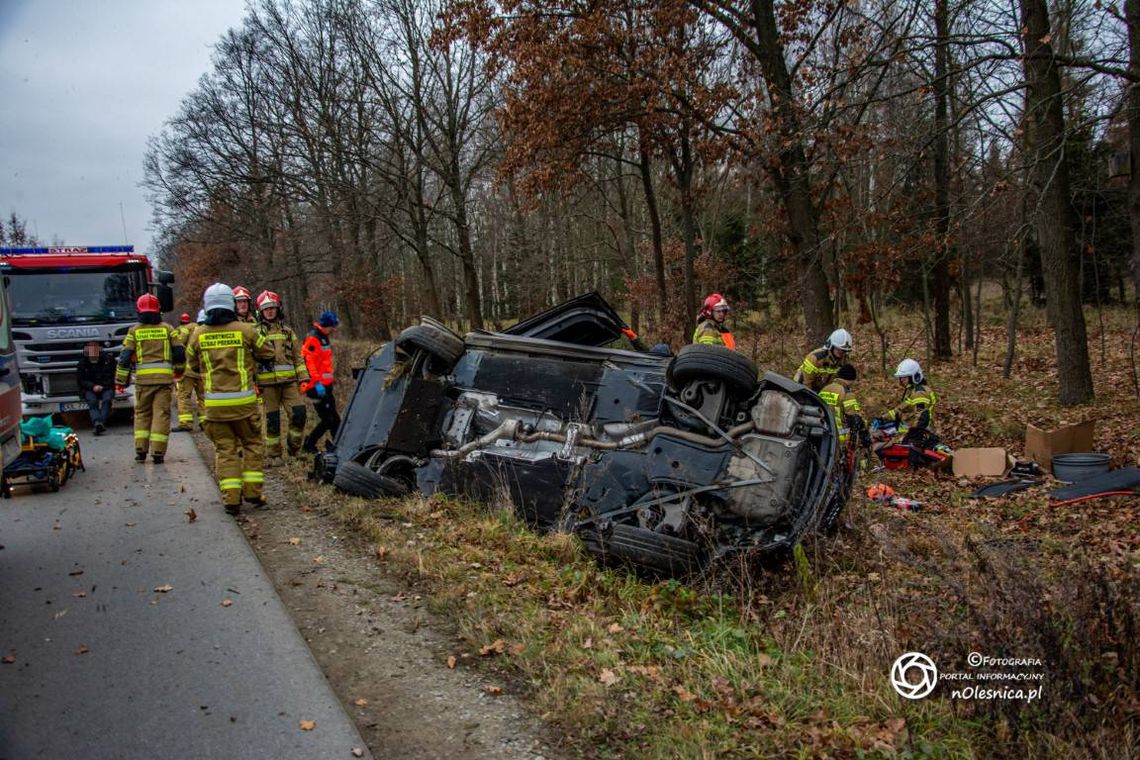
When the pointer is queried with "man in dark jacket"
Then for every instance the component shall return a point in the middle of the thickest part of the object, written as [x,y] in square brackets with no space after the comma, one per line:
[97,383]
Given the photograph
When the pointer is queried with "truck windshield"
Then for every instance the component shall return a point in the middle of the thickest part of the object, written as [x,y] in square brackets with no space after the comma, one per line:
[75,296]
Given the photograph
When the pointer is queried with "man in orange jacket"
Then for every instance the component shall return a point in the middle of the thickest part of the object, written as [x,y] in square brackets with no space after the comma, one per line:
[317,351]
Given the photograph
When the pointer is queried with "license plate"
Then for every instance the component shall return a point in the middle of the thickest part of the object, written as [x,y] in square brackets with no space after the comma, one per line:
[74,406]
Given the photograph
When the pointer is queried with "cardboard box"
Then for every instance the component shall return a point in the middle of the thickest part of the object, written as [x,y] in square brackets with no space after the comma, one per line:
[978,463]
[1042,445]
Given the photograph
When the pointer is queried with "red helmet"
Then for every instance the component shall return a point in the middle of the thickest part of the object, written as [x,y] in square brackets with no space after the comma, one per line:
[184,319]
[240,292]
[147,303]
[712,303]
[268,298]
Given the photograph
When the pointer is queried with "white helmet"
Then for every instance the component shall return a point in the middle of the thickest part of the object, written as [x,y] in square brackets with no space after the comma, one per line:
[218,296]
[840,339]
[201,318]
[910,368]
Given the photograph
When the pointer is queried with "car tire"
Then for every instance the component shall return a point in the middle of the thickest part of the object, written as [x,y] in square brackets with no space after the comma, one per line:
[357,480]
[647,550]
[443,345]
[700,362]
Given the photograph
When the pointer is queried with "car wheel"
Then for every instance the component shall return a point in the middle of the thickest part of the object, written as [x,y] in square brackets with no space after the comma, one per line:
[442,344]
[356,479]
[699,362]
[646,549]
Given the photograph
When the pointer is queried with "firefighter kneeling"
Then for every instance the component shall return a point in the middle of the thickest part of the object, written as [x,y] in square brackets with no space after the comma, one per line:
[225,352]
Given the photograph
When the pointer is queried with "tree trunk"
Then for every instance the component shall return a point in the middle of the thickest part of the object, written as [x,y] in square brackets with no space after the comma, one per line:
[654,227]
[683,167]
[790,175]
[1132,16]
[941,265]
[1049,185]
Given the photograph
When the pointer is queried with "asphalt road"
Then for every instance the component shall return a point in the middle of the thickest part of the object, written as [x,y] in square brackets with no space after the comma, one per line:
[98,664]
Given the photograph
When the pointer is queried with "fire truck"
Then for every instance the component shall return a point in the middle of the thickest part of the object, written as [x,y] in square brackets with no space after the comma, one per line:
[62,297]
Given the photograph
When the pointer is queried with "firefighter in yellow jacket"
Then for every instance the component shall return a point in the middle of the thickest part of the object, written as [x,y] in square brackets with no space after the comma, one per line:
[711,329]
[846,409]
[191,395]
[225,352]
[916,410]
[819,367]
[184,383]
[278,378]
[153,351]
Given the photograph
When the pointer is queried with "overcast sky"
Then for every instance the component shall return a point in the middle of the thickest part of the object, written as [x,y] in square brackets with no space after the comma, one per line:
[83,83]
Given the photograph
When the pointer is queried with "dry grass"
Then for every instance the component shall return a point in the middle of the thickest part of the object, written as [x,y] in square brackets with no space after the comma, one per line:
[793,660]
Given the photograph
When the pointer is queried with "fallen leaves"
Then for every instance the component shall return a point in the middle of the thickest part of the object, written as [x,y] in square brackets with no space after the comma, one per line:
[295,541]
[608,677]
[381,552]
[227,602]
[615,628]
[79,594]
[8,659]
[83,649]
[164,588]
[191,515]
[357,752]
[308,725]
[360,702]
[494,691]
[451,661]
[684,694]
[496,647]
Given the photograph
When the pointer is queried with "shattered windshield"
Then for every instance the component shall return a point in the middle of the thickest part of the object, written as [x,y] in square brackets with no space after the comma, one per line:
[75,296]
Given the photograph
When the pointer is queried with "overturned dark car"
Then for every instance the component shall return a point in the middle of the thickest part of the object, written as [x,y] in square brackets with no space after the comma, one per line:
[662,462]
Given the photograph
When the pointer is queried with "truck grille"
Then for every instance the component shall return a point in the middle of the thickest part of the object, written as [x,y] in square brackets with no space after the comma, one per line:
[62,384]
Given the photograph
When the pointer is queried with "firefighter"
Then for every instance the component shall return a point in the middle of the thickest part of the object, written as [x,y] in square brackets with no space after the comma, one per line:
[225,351]
[278,378]
[317,350]
[819,367]
[185,384]
[153,350]
[243,301]
[711,330]
[915,412]
[845,407]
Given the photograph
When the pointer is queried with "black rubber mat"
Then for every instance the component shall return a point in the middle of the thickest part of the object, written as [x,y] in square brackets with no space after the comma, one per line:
[1004,488]
[1124,479]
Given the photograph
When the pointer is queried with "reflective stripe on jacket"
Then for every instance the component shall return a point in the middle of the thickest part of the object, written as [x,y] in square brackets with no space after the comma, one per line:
[817,369]
[317,350]
[287,366]
[712,333]
[843,405]
[153,352]
[226,357]
[916,410]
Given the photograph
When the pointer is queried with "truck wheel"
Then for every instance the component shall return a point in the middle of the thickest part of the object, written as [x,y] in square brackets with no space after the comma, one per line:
[357,480]
[441,344]
[699,362]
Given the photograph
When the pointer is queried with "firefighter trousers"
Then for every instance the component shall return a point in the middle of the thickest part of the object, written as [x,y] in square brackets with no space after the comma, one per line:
[238,454]
[191,396]
[152,418]
[279,400]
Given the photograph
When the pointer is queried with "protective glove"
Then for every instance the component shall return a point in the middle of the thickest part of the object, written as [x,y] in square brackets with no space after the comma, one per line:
[120,390]
[320,390]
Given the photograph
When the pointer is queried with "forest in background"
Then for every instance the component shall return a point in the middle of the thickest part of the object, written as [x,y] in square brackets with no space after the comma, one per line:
[818,162]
